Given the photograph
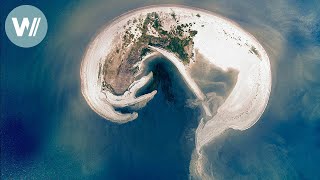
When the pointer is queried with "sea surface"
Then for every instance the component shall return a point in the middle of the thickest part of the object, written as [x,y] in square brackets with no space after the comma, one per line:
[49,131]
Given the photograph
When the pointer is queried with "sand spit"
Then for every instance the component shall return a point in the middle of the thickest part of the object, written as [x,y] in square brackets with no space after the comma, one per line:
[220,40]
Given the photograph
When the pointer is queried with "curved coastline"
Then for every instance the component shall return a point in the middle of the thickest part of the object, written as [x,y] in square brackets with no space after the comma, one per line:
[242,108]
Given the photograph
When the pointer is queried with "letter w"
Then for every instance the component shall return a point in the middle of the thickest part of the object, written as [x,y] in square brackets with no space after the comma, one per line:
[25,24]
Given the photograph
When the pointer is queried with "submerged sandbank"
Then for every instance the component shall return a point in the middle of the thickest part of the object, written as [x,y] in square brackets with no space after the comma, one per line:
[220,40]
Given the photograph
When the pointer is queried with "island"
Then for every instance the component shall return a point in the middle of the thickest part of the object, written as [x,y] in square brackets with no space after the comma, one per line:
[113,67]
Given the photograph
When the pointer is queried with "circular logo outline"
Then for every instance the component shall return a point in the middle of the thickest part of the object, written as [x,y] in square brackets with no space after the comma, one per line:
[26,26]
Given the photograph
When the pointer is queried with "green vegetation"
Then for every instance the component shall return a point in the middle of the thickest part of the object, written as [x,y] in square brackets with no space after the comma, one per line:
[105,86]
[176,40]
[177,45]
[119,65]
[255,51]
[145,51]
[173,15]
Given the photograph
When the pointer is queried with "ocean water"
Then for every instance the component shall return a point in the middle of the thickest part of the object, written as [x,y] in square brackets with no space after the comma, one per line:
[49,131]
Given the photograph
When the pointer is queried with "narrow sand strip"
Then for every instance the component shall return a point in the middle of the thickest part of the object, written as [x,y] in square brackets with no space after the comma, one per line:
[219,40]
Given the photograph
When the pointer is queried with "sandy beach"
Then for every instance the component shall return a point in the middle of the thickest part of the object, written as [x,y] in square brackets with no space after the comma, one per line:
[223,42]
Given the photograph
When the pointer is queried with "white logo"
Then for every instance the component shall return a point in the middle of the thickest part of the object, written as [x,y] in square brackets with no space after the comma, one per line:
[25,24]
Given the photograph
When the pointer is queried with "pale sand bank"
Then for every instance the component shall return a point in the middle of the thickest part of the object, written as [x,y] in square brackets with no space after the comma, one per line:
[221,41]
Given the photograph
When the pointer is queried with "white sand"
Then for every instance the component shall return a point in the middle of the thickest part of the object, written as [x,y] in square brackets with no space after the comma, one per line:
[248,99]
[182,70]
[129,97]
[222,42]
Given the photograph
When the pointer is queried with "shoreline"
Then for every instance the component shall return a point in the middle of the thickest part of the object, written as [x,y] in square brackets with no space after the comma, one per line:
[223,42]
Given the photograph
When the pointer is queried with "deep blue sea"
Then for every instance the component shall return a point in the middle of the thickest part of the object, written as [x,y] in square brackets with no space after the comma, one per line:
[48,131]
